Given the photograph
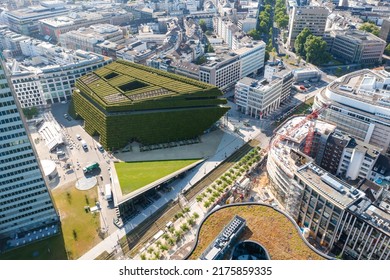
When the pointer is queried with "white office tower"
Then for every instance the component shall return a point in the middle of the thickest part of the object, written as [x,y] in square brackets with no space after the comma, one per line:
[27,212]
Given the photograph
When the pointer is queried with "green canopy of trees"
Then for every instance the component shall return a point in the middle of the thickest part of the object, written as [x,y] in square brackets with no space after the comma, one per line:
[387,49]
[370,27]
[203,25]
[29,113]
[311,47]
[300,41]
[254,34]
[315,49]
[281,16]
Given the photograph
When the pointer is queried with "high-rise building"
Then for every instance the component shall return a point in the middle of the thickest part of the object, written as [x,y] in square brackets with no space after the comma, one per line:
[311,17]
[25,202]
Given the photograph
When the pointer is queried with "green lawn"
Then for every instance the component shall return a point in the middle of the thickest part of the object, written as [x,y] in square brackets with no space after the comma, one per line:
[80,229]
[52,248]
[135,175]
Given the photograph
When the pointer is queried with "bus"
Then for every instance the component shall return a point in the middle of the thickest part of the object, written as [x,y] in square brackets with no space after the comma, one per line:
[90,167]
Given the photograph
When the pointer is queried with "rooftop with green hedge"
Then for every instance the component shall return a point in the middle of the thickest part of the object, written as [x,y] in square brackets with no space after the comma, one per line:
[124,102]
[126,83]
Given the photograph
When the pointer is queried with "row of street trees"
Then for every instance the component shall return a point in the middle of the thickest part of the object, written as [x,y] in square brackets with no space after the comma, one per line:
[312,48]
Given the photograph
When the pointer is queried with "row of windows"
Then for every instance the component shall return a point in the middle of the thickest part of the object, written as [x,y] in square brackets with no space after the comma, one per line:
[24,197]
[10,128]
[27,214]
[18,205]
[8,112]
[13,180]
[22,191]
[15,119]
[5,95]
[12,166]
[30,182]
[14,151]
[13,135]
[13,159]
[18,172]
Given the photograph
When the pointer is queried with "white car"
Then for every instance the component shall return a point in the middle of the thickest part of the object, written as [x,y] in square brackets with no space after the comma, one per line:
[78,137]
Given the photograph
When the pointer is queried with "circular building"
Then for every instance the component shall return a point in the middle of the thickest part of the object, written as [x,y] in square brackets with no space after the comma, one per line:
[49,169]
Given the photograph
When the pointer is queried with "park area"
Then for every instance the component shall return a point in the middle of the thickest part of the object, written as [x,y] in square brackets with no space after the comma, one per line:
[135,175]
[80,228]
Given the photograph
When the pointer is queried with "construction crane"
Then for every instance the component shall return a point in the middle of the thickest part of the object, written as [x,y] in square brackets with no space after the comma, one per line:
[291,130]
[309,138]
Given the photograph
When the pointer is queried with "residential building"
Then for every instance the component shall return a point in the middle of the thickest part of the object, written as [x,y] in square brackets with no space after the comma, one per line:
[25,203]
[47,73]
[359,104]
[385,30]
[312,17]
[25,20]
[259,98]
[356,46]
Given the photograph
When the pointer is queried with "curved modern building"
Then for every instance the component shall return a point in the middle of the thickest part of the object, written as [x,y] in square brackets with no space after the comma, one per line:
[359,104]
[342,215]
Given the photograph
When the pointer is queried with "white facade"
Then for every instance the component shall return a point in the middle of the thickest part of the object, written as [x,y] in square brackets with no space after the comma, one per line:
[360,106]
[258,98]
[48,73]
[25,203]
[226,69]
[252,58]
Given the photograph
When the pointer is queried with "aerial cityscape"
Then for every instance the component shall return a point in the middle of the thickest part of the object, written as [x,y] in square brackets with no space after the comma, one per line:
[195,130]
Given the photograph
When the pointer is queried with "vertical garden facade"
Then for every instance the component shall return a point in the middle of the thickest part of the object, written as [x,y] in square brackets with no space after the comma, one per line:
[124,102]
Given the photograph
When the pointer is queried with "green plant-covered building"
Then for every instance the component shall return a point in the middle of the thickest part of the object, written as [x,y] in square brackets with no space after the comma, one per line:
[124,101]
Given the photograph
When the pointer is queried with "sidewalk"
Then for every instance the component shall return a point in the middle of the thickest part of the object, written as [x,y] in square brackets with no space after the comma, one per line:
[228,145]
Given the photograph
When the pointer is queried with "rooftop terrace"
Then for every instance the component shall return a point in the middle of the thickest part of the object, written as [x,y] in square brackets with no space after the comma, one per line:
[124,83]
[273,229]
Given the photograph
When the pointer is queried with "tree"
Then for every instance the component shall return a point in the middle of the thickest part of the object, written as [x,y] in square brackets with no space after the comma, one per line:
[370,27]
[254,34]
[266,56]
[29,113]
[315,49]
[203,25]
[300,41]
[209,48]
[387,49]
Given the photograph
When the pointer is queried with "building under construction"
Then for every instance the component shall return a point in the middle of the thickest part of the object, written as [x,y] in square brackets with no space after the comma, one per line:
[325,194]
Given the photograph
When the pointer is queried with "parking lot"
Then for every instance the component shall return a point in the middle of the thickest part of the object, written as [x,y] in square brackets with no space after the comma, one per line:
[70,158]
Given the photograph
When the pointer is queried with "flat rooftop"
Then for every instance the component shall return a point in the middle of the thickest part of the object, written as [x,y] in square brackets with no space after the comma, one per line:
[125,83]
[341,193]
[38,11]
[369,86]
